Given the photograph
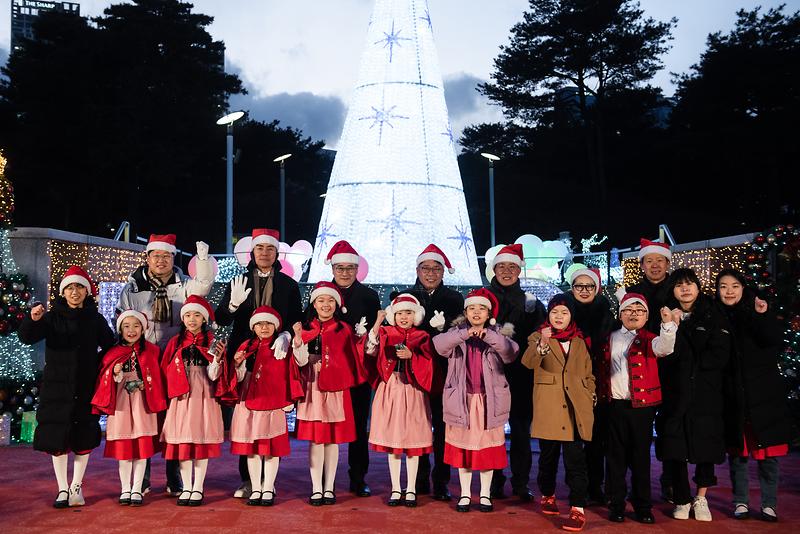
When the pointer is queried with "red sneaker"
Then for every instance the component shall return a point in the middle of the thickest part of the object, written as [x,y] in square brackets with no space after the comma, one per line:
[575,521]
[549,506]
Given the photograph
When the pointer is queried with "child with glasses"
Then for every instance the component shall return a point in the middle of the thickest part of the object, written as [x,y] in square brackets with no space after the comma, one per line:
[628,384]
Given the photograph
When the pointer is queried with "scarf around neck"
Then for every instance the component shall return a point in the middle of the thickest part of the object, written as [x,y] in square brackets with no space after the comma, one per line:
[162,310]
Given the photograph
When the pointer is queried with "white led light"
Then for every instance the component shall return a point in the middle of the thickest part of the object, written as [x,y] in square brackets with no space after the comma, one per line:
[395,185]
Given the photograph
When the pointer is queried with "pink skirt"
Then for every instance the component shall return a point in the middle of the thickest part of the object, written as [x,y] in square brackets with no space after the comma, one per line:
[262,432]
[324,416]
[325,432]
[401,418]
[131,431]
[475,447]
[193,424]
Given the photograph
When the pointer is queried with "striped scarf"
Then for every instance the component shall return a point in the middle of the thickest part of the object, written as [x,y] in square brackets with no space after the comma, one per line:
[162,309]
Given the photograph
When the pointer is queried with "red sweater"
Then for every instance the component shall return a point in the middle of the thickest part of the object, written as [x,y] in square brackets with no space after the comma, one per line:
[274,384]
[105,395]
[175,371]
[645,386]
[419,369]
[342,364]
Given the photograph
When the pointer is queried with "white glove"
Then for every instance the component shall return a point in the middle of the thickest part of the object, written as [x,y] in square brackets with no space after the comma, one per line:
[239,291]
[202,250]
[620,292]
[530,302]
[281,345]
[361,327]
[437,321]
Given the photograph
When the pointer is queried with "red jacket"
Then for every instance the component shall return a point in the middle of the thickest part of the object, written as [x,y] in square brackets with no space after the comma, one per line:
[274,384]
[419,369]
[645,386]
[342,363]
[175,371]
[105,395]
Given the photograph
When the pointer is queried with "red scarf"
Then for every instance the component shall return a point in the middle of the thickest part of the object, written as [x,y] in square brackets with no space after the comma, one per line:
[571,331]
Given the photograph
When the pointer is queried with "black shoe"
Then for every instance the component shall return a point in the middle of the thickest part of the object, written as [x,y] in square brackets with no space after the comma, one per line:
[645,516]
[392,501]
[463,507]
[769,518]
[360,489]
[136,501]
[315,501]
[410,504]
[254,499]
[182,501]
[123,500]
[61,504]
[524,494]
[441,493]
[666,494]
[616,516]
[328,500]
[267,501]
[486,507]
[196,502]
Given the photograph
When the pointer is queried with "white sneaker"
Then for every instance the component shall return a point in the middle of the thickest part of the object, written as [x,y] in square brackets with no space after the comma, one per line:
[681,511]
[700,507]
[76,496]
[243,491]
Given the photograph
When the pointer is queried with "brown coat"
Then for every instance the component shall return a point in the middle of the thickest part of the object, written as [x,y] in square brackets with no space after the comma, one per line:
[563,390]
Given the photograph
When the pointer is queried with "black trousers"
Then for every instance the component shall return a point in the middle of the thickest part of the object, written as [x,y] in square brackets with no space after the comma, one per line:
[173,470]
[519,421]
[630,434]
[358,450]
[440,475]
[574,465]
[679,471]
[596,450]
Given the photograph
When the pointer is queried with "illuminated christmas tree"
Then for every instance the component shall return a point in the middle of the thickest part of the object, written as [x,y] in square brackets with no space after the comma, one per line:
[395,185]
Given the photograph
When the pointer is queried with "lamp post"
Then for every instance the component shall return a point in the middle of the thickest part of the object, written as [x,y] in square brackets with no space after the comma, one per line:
[282,160]
[492,158]
[228,121]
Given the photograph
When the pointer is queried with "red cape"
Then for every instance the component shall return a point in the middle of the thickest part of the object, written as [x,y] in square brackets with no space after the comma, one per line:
[419,369]
[175,371]
[342,364]
[274,384]
[105,394]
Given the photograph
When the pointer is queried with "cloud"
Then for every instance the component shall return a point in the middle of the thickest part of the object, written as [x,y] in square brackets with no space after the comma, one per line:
[321,117]
[461,94]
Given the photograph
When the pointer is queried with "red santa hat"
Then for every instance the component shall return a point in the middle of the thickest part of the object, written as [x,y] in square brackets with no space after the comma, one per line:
[266,236]
[651,247]
[405,301]
[142,318]
[162,242]
[432,252]
[76,275]
[198,304]
[510,253]
[265,313]
[632,298]
[484,297]
[342,252]
[592,273]
[328,288]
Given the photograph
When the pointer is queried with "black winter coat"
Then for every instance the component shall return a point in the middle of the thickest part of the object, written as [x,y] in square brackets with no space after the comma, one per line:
[443,299]
[755,390]
[693,405]
[285,299]
[360,301]
[594,319]
[74,342]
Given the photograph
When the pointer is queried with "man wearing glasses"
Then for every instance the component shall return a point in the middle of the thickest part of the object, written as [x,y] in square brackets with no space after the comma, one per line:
[526,313]
[362,305]
[262,285]
[442,305]
[158,289]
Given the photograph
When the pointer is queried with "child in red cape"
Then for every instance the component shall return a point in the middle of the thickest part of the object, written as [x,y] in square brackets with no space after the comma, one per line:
[268,384]
[131,392]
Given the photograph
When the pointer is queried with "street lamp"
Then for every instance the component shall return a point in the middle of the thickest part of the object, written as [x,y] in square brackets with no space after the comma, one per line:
[228,121]
[492,158]
[282,160]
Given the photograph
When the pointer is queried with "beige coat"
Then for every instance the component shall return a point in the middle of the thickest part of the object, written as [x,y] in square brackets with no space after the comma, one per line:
[563,390]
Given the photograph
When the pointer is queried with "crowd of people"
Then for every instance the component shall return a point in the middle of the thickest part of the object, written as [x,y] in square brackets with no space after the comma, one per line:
[434,372]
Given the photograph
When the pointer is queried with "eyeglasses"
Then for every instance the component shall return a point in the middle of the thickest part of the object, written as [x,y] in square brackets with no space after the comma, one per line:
[634,312]
[161,257]
[431,270]
[584,287]
[507,268]
[343,270]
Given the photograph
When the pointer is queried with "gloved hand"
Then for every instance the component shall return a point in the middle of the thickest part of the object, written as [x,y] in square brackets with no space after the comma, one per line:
[530,302]
[239,291]
[437,321]
[361,327]
[280,346]
[202,250]
[620,292]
